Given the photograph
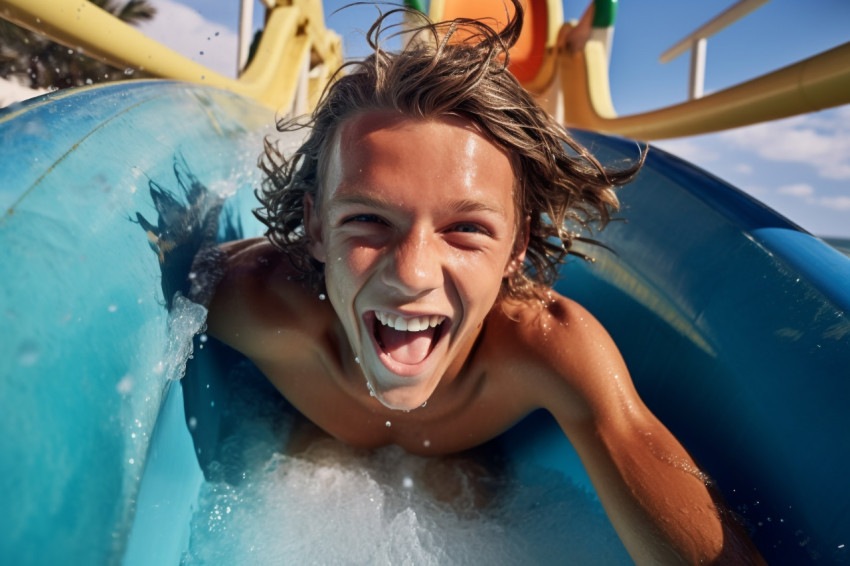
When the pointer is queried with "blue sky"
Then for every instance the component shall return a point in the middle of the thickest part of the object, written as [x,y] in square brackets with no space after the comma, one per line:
[799,166]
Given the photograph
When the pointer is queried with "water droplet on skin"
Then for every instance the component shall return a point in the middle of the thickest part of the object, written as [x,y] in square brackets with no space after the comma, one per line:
[356,360]
[389,424]
[426,443]
[423,404]
[322,296]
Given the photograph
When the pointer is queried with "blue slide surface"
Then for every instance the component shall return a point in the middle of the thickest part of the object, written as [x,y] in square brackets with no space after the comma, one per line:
[733,321]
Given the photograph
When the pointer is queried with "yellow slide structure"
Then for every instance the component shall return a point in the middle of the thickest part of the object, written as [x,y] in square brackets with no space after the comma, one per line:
[294,60]
[564,64]
[822,81]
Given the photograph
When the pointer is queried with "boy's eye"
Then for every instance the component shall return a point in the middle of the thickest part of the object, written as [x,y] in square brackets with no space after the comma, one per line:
[469,228]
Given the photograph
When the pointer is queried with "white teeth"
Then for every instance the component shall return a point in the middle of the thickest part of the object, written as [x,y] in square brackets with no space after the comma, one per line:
[410,324]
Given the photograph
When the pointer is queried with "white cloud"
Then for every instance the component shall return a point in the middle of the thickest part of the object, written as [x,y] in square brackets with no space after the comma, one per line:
[743,169]
[807,194]
[835,203]
[186,31]
[820,140]
[798,190]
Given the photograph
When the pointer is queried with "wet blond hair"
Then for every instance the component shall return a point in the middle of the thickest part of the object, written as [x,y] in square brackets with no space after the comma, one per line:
[558,182]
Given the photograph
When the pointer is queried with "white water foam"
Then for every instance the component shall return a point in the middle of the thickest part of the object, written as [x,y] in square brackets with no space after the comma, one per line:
[333,504]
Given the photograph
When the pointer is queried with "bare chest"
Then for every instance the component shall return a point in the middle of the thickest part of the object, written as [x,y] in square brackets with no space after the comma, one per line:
[460,418]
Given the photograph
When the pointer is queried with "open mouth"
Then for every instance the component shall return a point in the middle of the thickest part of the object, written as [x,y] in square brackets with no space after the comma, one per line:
[406,340]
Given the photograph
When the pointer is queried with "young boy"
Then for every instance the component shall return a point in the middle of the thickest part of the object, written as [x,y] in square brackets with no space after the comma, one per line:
[403,294]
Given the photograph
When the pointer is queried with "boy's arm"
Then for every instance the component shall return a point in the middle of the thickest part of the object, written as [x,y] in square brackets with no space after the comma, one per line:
[662,506]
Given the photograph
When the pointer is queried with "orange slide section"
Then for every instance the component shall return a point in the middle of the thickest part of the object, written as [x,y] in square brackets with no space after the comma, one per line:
[535,48]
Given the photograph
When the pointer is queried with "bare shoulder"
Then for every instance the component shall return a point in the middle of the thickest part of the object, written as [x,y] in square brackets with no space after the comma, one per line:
[260,295]
[561,333]
[575,368]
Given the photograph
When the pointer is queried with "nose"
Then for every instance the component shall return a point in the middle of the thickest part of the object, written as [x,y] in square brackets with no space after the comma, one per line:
[415,267]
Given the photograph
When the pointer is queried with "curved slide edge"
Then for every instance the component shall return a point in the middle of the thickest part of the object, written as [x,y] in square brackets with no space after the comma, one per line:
[735,324]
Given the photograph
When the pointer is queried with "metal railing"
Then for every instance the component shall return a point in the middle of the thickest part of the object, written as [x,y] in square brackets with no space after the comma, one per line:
[696,42]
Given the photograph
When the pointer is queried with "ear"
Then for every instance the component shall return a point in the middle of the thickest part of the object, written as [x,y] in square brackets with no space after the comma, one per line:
[313,230]
[520,246]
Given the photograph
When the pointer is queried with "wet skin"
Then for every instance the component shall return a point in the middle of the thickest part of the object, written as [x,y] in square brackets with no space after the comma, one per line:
[416,220]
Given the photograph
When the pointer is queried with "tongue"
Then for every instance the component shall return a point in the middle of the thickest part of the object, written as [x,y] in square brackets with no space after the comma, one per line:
[406,347]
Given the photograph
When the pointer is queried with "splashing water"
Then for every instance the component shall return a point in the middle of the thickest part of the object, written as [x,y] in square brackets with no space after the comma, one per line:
[334,504]
[184,321]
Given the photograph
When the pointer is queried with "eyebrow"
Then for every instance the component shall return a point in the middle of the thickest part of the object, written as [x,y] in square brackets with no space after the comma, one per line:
[360,199]
[461,205]
[469,205]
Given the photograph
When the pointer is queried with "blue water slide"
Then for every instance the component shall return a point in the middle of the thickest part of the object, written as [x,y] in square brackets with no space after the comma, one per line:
[733,322]
[90,348]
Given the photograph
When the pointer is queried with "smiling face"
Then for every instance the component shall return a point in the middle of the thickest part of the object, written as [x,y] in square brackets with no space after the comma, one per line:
[416,228]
